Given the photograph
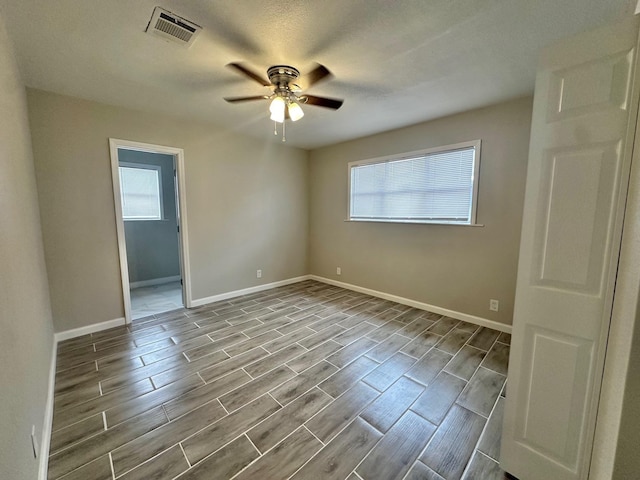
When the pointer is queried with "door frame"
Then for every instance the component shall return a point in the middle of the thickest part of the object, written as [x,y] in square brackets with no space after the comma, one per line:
[185,271]
[624,316]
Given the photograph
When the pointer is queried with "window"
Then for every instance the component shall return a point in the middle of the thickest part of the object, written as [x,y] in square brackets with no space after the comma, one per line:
[140,191]
[439,185]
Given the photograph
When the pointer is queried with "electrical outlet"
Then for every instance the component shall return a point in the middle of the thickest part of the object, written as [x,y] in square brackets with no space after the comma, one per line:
[494,305]
[34,442]
[259,274]
[338,271]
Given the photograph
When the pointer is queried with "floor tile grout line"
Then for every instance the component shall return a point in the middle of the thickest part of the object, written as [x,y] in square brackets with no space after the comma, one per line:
[154,457]
[270,448]
[113,471]
[476,451]
[357,415]
[308,460]
[484,428]
[203,459]
[254,446]
[432,436]
[185,455]
[453,374]
[276,400]
[304,425]
[254,399]
[493,408]
[65,447]
[373,446]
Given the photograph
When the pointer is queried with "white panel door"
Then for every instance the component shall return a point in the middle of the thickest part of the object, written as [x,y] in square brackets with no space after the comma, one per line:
[576,186]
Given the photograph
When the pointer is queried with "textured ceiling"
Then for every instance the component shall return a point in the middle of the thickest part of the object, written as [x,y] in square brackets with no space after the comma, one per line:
[395,63]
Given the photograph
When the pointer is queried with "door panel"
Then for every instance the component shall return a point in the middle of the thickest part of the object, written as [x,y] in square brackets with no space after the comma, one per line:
[554,399]
[574,216]
[590,86]
[576,185]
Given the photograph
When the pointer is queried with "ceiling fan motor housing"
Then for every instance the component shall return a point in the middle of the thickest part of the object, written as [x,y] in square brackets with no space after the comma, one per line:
[282,75]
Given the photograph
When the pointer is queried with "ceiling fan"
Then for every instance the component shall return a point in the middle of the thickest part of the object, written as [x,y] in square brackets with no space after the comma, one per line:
[286,95]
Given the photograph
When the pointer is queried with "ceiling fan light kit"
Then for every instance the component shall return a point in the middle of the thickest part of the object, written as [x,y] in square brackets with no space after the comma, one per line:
[277,109]
[285,100]
[295,111]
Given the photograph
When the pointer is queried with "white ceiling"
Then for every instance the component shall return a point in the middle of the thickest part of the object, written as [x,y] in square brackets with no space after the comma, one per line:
[395,62]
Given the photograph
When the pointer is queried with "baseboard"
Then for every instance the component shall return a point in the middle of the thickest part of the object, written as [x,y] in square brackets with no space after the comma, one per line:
[153,281]
[45,438]
[483,322]
[95,327]
[246,291]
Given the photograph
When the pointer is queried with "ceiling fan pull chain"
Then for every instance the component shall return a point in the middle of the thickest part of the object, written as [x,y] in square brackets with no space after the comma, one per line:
[275,128]
[284,131]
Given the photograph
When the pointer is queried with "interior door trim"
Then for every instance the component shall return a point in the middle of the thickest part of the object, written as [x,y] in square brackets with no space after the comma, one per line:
[185,270]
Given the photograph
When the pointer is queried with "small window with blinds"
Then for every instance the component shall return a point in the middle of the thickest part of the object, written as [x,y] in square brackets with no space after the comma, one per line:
[140,191]
[438,185]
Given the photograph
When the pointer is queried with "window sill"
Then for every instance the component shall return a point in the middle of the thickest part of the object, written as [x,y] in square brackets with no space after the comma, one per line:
[145,220]
[409,222]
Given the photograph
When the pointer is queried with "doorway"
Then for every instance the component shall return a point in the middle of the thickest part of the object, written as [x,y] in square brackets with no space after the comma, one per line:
[148,185]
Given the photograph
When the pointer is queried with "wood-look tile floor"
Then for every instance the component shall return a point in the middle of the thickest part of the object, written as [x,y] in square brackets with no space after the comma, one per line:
[307,381]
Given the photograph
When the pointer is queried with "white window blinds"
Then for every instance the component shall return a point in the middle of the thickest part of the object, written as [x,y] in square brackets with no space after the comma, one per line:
[429,187]
[140,192]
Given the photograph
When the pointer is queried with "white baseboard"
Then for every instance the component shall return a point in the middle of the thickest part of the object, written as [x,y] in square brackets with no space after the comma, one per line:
[246,291]
[96,327]
[154,281]
[483,322]
[45,438]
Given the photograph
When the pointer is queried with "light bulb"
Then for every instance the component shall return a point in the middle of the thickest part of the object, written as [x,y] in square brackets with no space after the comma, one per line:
[295,111]
[277,109]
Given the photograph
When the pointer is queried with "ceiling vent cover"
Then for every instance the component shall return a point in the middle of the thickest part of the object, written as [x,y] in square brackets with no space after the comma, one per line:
[172,27]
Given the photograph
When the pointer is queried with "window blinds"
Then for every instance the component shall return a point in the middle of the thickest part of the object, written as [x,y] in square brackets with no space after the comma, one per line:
[140,191]
[430,187]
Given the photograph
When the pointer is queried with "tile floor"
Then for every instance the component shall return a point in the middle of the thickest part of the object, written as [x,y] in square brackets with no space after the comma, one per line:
[307,381]
[156,299]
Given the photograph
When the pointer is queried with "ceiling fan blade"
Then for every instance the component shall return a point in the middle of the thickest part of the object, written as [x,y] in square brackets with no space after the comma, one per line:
[252,75]
[317,74]
[246,99]
[334,103]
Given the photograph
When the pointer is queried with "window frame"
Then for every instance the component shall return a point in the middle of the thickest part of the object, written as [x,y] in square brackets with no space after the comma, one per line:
[143,166]
[476,144]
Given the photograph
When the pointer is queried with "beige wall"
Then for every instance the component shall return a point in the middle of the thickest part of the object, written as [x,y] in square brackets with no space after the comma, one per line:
[454,267]
[246,201]
[25,314]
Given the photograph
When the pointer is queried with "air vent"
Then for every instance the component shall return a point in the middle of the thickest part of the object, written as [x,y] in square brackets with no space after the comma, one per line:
[172,27]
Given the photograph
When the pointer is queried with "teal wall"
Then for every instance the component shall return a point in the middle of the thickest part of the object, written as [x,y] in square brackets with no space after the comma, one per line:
[152,245]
